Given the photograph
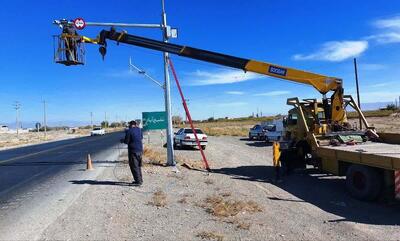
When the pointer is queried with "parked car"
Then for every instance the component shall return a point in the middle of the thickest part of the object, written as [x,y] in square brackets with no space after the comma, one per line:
[257,132]
[98,131]
[274,130]
[185,137]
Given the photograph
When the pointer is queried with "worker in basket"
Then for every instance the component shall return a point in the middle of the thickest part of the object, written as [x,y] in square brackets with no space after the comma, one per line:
[71,39]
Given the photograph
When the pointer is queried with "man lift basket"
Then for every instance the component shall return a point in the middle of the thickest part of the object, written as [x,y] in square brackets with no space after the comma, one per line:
[69,48]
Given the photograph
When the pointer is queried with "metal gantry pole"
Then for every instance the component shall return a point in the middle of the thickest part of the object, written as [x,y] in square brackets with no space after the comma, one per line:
[167,93]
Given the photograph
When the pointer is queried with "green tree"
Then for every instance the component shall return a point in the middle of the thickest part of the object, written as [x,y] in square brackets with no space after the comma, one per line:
[104,124]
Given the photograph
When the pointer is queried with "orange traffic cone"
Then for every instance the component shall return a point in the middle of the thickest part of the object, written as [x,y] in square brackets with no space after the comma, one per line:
[89,163]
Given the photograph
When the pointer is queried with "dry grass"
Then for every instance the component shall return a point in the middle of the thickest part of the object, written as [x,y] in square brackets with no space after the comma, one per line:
[238,130]
[235,127]
[154,157]
[371,113]
[159,199]
[220,207]
[238,224]
[191,164]
[210,236]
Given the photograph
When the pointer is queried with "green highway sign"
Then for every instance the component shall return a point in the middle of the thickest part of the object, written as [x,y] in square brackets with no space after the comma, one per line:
[154,120]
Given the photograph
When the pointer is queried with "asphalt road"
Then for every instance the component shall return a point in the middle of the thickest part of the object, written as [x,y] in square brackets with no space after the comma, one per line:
[34,180]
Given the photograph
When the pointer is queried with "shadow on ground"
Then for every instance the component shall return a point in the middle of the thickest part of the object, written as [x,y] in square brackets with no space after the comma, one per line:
[106,183]
[256,143]
[325,191]
[259,144]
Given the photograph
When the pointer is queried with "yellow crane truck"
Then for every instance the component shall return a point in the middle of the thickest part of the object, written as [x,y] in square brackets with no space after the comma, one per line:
[317,132]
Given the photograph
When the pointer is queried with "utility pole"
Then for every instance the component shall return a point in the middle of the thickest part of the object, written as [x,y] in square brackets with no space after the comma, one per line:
[167,92]
[91,119]
[45,120]
[358,90]
[105,120]
[17,106]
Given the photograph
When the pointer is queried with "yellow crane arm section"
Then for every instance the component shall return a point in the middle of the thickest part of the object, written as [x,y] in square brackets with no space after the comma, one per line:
[322,83]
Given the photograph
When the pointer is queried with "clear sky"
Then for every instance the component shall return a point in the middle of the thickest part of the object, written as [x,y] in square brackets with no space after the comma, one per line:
[318,36]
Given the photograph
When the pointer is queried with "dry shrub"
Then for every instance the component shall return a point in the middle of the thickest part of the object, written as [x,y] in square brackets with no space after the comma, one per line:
[159,199]
[220,207]
[183,200]
[191,164]
[226,194]
[238,224]
[154,157]
[242,225]
[210,236]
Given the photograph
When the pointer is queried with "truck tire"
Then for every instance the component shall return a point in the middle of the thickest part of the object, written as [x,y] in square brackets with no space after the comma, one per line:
[363,182]
[302,149]
[203,147]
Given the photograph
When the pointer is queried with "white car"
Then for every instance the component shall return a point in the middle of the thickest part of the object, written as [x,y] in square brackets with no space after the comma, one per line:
[98,131]
[274,131]
[185,137]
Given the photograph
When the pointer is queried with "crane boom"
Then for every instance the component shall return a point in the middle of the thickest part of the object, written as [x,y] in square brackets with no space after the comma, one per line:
[320,82]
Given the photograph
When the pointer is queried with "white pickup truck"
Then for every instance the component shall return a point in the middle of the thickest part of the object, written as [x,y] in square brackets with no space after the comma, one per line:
[98,131]
[274,130]
[185,137]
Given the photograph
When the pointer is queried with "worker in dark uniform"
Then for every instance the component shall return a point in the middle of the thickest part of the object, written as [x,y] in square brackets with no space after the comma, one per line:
[133,138]
[70,42]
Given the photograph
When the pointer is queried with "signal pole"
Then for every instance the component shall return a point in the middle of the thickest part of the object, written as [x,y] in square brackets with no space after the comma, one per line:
[358,90]
[45,120]
[167,93]
[17,106]
[168,32]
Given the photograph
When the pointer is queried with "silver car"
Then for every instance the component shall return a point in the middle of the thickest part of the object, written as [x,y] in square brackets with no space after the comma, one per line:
[257,132]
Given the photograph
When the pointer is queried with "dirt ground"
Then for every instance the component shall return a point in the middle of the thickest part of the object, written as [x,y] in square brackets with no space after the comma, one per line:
[237,201]
[389,124]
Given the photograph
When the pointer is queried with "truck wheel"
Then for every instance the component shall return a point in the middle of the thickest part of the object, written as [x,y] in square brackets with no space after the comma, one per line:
[363,183]
[203,147]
